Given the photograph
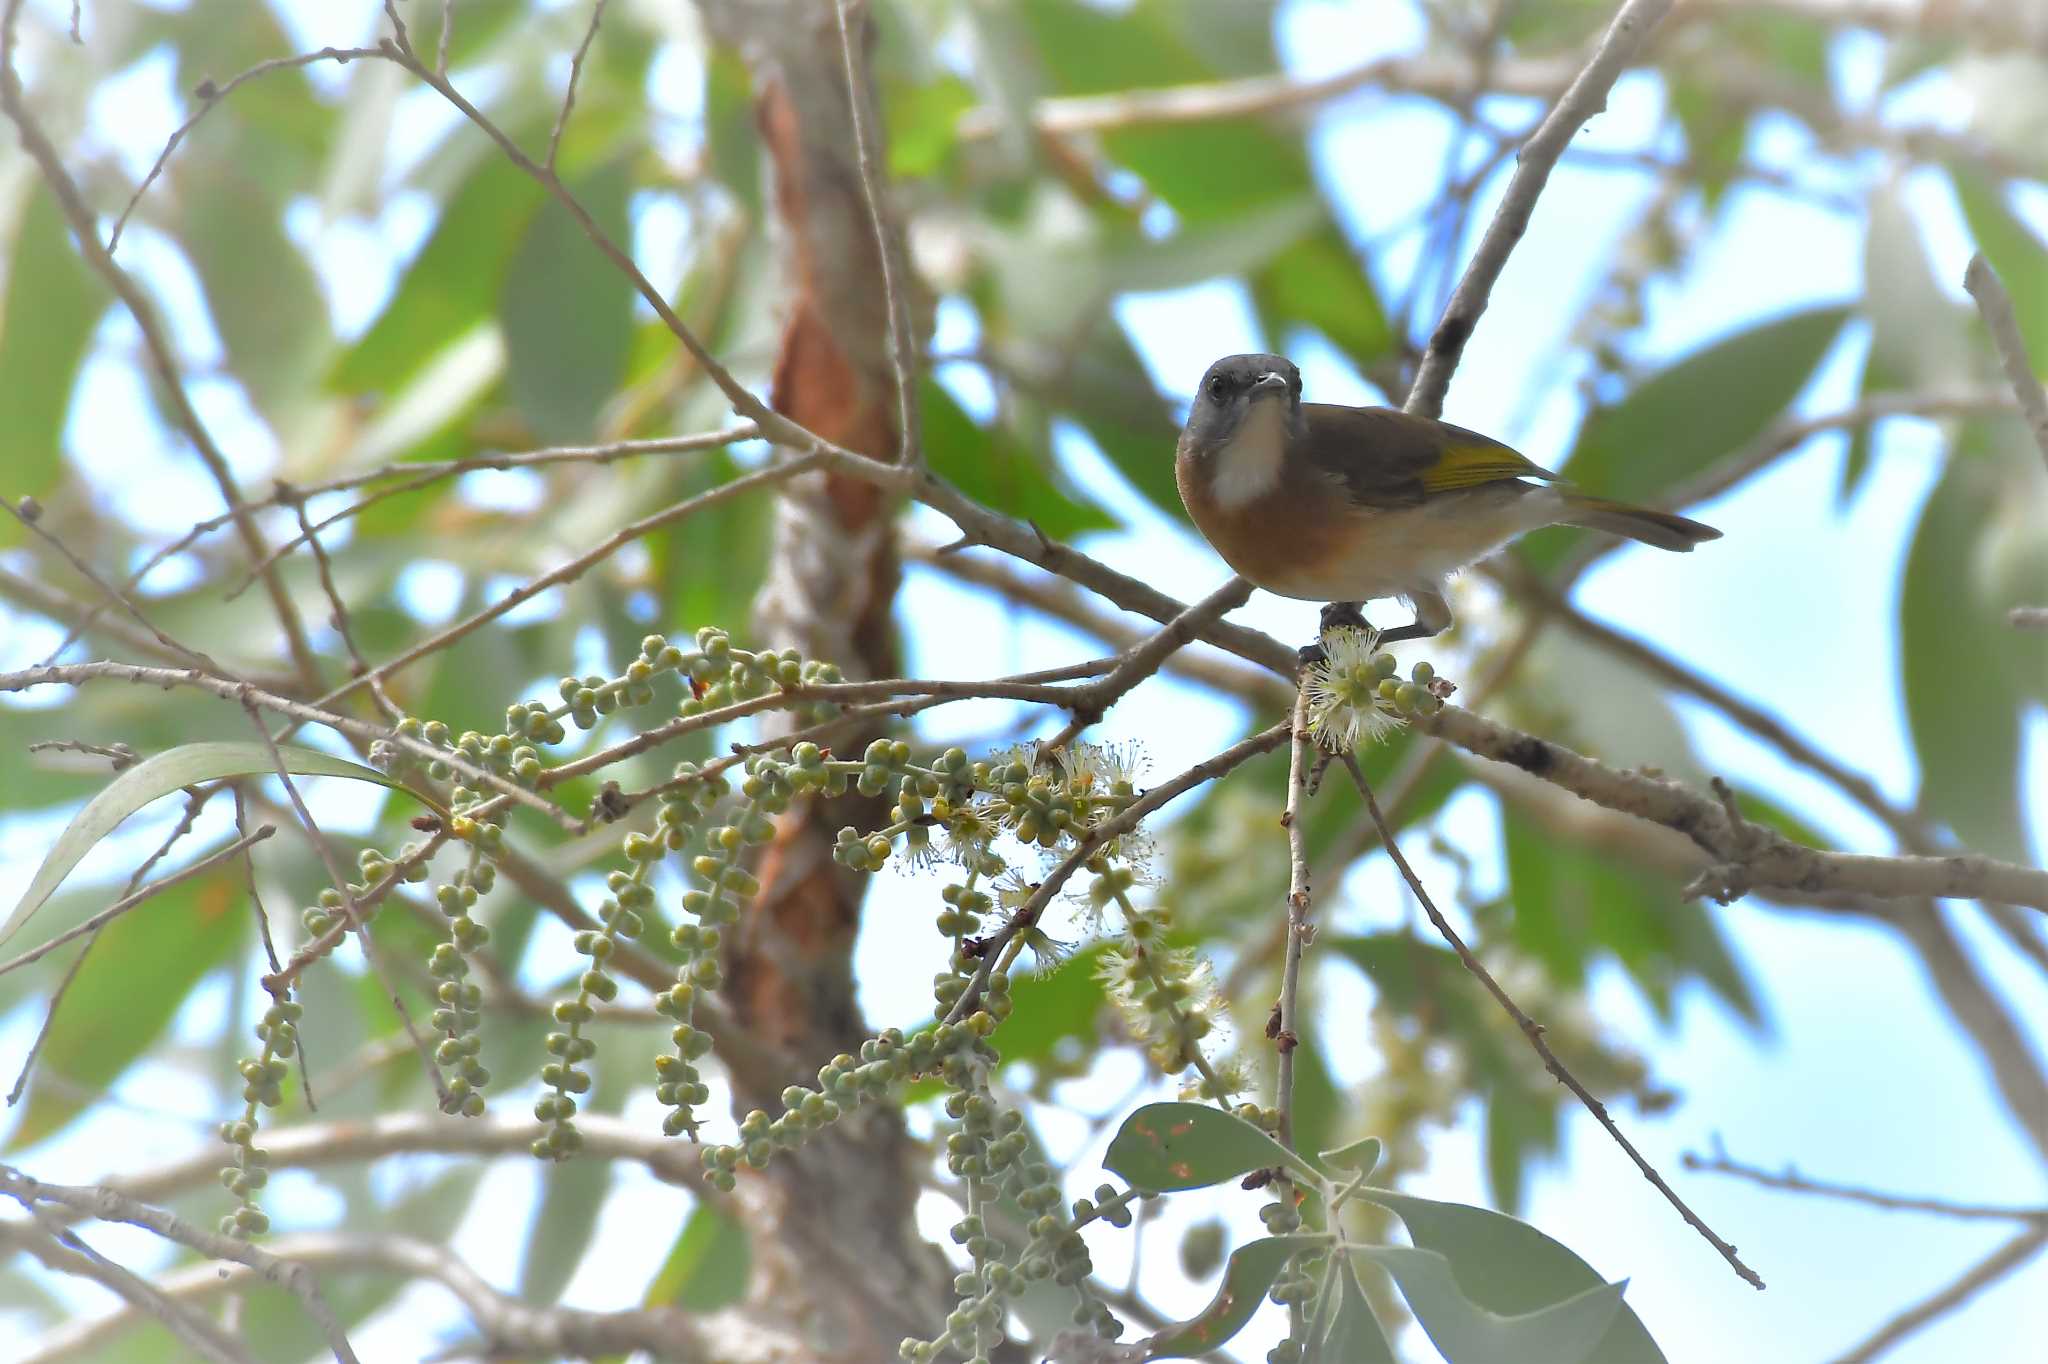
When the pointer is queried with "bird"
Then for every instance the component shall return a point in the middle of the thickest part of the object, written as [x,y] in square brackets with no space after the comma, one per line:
[1345,505]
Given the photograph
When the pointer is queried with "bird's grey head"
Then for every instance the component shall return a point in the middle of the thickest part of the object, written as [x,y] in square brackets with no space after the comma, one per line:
[1227,395]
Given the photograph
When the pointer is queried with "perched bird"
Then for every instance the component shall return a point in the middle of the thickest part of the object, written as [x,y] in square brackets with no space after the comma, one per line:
[1347,504]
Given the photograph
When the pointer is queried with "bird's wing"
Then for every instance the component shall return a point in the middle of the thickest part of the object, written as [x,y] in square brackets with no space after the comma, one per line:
[1387,458]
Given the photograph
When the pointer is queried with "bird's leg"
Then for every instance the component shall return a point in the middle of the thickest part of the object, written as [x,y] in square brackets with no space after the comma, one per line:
[1336,615]
[1432,617]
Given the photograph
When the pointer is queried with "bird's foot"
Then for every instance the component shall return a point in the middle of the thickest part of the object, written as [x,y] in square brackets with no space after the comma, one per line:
[1337,615]
[1343,614]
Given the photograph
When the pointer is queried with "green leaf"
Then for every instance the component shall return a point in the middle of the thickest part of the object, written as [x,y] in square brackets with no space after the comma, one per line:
[1316,1100]
[52,304]
[1519,1127]
[2019,256]
[1354,1336]
[1509,1268]
[1172,1146]
[572,1197]
[921,120]
[568,312]
[156,777]
[1961,665]
[1567,1332]
[452,286]
[137,974]
[1360,1157]
[1681,420]
[1246,1278]
[1320,281]
[707,1267]
[987,465]
[261,291]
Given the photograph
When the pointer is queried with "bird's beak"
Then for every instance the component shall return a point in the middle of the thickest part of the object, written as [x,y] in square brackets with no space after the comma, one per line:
[1269,383]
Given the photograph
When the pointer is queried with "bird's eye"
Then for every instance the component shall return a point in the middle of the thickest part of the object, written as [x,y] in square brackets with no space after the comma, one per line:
[1219,388]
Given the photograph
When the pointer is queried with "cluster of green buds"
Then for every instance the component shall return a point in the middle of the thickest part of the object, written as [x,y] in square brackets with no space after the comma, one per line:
[1166,995]
[458,1001]
[1356,695]
[1295,1289]
[991,1152]
[722,675]
[262,1087]
[845,1083]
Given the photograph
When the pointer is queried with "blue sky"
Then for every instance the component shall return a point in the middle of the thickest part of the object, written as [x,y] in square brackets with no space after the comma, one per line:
[1862,1079]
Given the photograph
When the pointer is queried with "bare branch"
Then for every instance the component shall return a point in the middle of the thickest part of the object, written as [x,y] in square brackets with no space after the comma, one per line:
[1586,96]
[108,1205]
[508,1326]
[575,74]
[68,1254]
[1995,304]
[1791,1181]
[1986,1272]
[2029,618]
[888,245]
[1773,862]
[1294,909]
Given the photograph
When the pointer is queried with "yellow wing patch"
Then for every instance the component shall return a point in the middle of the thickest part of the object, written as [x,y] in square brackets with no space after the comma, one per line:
[1468,466]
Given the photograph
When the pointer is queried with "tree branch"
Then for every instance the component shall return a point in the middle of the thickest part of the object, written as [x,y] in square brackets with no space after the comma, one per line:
[1995,304]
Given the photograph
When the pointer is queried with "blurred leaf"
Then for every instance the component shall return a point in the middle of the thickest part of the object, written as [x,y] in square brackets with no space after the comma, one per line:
[731,141]
[568,312]
[1959,661]
[1316,1101]
[2014,250]
[152,779]
[1919,336]
[1354,1336]
[1567,1332]
[52,305]
[571,1198]
[707,1268]
[1716,130]
[1519,1127]
[1170,1146]
[138,973]
[1320,281]
[452,286]
[1211,171]
[987,465]
[1108,392]
[1682,419]
[1246,1278]
[1506,1266]
[921,120]
[260,289]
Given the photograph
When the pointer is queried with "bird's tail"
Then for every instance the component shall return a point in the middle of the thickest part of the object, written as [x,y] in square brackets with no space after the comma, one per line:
[1661,529]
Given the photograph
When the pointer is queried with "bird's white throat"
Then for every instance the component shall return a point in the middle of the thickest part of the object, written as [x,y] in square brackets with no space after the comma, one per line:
[1247,466]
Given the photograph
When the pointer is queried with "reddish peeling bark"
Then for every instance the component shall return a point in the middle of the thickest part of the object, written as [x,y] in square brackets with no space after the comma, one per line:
[836,1218]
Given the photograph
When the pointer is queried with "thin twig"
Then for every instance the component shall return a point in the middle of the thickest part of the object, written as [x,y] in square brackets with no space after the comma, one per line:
[575,568]
[262,917]
[1586,97]
[1791,1181]
[888,246]
[1116,826]
[74,674]
[2029,618]
[130,901]
[373,955]
[1986,1272]
[107,1205]
[66,1253]
[1995,305]
[113,595]
[447,37]
[1295,909]
[1534,1030]
[209,95]
[568,95]
[155,339]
